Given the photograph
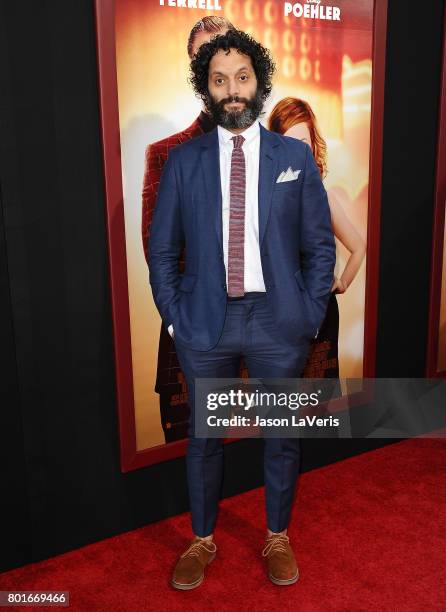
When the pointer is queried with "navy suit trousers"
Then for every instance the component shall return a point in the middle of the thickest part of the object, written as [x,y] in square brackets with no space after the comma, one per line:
[249,332]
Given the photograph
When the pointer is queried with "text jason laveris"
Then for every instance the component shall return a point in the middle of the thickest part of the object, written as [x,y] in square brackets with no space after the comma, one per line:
[293,421]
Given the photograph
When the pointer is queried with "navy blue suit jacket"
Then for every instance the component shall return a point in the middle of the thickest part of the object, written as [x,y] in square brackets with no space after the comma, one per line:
[295,237]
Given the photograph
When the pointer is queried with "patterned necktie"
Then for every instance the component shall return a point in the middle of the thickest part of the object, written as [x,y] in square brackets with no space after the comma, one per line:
[236,246]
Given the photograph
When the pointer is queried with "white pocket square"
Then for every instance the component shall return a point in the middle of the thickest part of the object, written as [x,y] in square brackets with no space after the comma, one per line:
[288,175]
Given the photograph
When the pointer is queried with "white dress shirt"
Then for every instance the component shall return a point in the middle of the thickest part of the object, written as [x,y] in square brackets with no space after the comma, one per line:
[251,148]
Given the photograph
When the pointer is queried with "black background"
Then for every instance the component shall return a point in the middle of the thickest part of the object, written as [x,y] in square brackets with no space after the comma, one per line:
[61,485]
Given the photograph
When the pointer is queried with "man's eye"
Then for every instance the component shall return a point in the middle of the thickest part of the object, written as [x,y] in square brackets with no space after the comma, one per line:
[244,77]
[218,81]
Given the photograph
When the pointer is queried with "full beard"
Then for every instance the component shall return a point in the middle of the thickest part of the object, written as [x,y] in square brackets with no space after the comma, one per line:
[237,119]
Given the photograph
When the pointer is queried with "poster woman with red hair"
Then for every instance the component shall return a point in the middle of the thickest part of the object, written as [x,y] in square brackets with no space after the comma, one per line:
[295,118]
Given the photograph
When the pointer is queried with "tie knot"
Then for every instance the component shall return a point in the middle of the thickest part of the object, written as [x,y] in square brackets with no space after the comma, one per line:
[238,141]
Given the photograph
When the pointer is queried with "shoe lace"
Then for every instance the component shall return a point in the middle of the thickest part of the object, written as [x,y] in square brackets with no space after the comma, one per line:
[276,543]
[197,547]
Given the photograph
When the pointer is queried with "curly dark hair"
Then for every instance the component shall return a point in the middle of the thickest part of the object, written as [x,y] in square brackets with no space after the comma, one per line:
[261,59]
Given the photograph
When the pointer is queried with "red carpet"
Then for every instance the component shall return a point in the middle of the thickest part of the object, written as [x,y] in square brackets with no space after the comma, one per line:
[369,534]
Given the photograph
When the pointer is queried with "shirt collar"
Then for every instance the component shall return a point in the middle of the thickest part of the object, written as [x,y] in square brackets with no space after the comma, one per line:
[250,134]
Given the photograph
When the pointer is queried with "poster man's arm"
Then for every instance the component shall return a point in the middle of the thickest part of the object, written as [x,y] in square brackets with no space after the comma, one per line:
[152,174]
[166,243]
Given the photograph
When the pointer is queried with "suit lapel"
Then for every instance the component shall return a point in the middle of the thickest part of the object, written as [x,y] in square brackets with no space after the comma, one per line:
[268,164]
[210,161]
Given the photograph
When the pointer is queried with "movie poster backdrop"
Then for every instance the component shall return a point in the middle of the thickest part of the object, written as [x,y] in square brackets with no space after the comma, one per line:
[325,54]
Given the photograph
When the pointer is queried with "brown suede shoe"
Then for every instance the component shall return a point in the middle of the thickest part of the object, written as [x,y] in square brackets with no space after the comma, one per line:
[280,560]
[189,571]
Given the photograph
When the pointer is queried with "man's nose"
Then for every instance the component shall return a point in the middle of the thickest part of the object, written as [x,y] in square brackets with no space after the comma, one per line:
[233,88]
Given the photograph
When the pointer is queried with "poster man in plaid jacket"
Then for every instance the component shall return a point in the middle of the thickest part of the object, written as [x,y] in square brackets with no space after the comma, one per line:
[174,414]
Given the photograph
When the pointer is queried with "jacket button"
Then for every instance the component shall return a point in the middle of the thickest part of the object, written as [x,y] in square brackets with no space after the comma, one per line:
[224,286]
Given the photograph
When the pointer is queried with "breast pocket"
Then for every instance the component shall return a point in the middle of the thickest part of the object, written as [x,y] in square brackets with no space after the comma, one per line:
[286,186]
[286,204]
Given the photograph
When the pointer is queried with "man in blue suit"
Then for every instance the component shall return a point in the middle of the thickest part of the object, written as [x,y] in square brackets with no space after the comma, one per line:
[251,211]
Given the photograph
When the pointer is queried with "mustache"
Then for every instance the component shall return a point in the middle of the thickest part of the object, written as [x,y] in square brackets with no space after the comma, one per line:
[240,118]
[230,99]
